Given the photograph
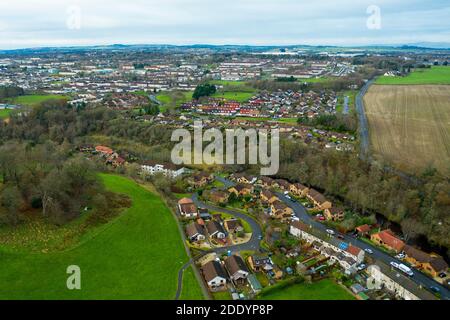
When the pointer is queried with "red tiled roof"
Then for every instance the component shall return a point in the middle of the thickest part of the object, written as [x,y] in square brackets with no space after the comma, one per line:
[390,240]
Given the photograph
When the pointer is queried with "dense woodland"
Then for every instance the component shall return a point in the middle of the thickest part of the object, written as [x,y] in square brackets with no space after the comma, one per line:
[37,151]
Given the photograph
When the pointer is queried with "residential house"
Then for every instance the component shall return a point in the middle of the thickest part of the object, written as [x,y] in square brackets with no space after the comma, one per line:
[237,269]
[167,169]
[187,208]
[432,264]
[260,263]
[363,230]
[215,275]
[200,180]
[241,189]
[382,276]
[299,189]
[283,184]
[215,230]
[388,240]
[318,199]
[355,253]
[268,196]
[334,214]
[195,232]
[266,182]
[233,226]
[243,178]
[217,196]
[105,151]
[281,211]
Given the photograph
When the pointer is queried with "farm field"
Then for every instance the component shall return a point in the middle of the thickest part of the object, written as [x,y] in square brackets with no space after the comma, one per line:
[410,125]
[322,290]
[135,256]
[433,75]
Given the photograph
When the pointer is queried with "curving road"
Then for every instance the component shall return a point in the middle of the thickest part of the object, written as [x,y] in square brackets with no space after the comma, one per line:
[252,245]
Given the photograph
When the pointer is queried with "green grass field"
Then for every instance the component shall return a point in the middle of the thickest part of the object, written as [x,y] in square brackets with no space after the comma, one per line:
[322,290]
[239,96]
[434,75]
[135,256]
[4,113]
[191,289]
[32,100]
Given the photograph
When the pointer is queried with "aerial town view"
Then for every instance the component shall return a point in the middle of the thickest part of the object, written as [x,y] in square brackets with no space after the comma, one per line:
[161,150]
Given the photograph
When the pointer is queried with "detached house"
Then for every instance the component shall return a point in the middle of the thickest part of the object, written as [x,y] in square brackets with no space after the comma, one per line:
[195,232]
[388,240]
[266,182]
[283,184]
[299,189]
[215,276]
[215,230]
[187,208]
[217,196]
[233,226]
[319,200]
[242,178]
[281,211]
[241,189]
[200,180]
[237,269]
[268,196]
[260,263]
[334,214]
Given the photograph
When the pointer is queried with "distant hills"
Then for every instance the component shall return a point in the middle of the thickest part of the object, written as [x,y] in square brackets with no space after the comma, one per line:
[242,48]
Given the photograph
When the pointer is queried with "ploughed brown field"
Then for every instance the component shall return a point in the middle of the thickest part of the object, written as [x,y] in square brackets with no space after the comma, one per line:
[410,125]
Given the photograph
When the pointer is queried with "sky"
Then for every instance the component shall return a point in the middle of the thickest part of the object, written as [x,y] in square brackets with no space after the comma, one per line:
[39,23]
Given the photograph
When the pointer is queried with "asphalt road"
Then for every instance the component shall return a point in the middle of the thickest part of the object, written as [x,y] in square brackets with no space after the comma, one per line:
[419,278]
[363,123]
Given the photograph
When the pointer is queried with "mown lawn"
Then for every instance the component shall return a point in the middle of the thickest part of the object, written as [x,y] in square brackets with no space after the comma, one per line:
[433,75]
[32,100]
[322,290]
[239,96]
[135,256]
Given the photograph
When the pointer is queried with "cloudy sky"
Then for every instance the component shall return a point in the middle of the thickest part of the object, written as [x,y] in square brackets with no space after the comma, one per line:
[35,23]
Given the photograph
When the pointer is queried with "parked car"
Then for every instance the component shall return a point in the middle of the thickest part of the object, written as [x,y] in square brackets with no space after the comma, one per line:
[361,267]
[331,232]
[340,236]
[442,275]
[294,218]
[406,270]
[394,264]
[369,251]
[435,289]
[400,256]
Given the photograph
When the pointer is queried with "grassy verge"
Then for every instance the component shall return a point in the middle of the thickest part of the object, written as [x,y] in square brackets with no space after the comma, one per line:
[191,289]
